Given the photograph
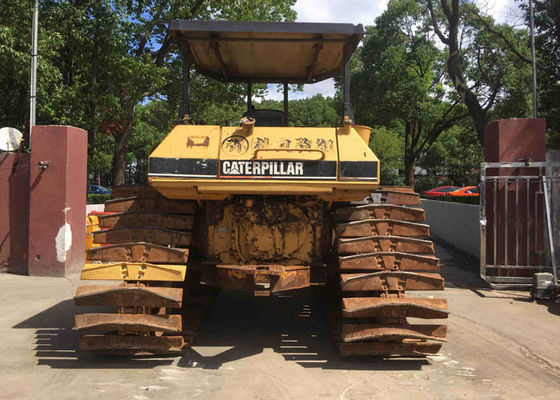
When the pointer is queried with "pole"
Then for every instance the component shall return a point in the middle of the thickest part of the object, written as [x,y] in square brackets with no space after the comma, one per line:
[533,58]
[33,94]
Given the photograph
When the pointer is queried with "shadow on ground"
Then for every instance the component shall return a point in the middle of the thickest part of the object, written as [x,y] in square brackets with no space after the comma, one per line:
[292,325]
[238,326]
[462,271]
[57,345]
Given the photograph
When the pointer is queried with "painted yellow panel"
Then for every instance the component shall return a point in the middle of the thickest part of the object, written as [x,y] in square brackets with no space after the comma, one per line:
[279,143]
[129,271]
[353,148]
[190,141]
[212,162]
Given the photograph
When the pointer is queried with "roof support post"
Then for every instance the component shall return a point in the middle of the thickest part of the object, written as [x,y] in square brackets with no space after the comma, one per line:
[285,103]
[348,111]
[249,96]
[185,107]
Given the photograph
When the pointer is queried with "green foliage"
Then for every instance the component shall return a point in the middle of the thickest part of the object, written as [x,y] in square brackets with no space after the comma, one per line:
[97,198]
[547,43]
[455,199]
[388,147]
[152,122]
[456,155]
[313,111]
[107,66]
[427,182]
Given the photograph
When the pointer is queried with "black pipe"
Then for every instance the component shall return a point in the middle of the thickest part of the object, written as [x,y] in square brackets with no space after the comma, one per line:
[348,111]
[249,97]
[185,107]
[285,103]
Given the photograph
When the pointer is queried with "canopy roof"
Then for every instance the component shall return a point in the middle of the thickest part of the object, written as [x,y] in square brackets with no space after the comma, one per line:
[292,52]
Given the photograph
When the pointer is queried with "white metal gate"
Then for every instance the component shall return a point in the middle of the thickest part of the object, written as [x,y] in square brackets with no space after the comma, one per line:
[519,221]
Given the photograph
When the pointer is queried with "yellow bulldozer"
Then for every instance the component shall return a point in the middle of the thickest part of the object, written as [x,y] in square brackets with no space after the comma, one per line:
[263,207]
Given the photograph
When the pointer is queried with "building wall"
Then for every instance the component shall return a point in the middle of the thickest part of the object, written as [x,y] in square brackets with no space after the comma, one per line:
[14,215]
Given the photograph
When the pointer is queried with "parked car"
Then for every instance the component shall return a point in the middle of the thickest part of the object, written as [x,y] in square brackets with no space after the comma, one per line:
[441,191]
[467,191]
[98,189]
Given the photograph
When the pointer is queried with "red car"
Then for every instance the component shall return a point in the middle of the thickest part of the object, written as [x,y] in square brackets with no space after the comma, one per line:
[467,191]
[441,191]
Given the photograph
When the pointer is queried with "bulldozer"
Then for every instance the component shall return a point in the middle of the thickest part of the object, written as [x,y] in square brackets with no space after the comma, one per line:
[263,207]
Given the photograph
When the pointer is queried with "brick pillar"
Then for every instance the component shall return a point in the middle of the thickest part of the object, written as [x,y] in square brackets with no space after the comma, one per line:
[57,202]
[510,140]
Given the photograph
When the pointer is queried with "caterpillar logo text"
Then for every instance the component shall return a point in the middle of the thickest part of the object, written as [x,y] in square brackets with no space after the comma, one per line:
[276,169]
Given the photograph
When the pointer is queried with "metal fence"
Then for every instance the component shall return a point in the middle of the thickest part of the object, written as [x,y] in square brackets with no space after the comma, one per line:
[519,222]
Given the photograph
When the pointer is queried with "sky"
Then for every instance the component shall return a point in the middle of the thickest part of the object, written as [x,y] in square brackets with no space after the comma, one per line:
[364,12]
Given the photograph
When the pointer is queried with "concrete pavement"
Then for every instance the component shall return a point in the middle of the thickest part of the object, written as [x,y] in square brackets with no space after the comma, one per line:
[501,346]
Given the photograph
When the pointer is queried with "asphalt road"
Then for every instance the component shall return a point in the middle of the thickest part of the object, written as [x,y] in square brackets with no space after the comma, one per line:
[500,346]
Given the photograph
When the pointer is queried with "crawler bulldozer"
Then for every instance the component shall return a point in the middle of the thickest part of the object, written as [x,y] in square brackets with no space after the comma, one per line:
[263,207]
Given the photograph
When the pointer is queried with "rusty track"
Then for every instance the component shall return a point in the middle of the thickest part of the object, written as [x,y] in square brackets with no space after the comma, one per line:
[142,317]
[383,249]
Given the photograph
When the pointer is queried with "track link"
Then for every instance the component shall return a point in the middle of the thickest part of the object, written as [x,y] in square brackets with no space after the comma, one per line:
[383,250]
[141,230]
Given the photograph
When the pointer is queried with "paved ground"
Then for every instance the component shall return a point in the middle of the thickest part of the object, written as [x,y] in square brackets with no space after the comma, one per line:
[500,347]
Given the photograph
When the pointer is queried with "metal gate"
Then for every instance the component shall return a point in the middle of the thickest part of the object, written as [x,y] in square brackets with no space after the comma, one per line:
[519,222]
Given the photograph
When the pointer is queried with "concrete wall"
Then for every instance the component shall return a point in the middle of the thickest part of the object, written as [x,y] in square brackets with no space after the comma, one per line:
[94,207]
[454,223]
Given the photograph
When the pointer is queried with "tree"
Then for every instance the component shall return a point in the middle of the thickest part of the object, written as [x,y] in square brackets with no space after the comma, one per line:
[100,59]
[547,44]
[15,52]
[480,55]
[150,46]
[398,81]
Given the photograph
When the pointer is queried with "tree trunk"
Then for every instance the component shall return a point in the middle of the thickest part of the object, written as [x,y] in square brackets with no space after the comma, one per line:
[409,167]
[454,68]
[121,147]
[410,140]
[119,159]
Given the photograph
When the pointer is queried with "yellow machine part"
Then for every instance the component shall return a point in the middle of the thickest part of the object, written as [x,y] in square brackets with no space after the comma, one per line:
[92,225]
[211,162]
[129,271]
[250,231]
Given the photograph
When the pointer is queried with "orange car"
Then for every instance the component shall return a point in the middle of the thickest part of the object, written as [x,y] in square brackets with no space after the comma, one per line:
[467,191]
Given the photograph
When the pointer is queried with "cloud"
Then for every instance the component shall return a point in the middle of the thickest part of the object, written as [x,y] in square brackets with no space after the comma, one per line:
[503,11]
[350,11]
[326,88]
